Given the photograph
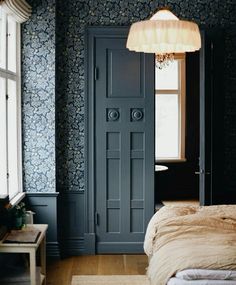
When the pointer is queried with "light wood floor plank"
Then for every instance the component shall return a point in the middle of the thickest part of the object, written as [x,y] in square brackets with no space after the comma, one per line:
[85,265]
[61,271]
[181,202]
[135,264]
[110,264]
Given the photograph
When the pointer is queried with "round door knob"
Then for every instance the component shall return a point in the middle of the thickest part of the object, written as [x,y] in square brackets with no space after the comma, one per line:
[137,115]
[113,115]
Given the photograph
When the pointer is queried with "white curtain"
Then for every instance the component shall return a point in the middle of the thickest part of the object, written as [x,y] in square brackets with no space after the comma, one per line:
[19,9]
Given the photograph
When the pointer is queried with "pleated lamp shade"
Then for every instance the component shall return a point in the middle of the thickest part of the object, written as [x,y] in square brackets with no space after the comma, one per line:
[164,33]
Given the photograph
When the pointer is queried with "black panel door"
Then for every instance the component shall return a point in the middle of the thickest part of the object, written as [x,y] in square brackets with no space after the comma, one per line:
[211,119]
[123,143]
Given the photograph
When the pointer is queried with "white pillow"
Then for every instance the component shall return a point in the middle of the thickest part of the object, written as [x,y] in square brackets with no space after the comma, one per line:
[177,281]
[194,274]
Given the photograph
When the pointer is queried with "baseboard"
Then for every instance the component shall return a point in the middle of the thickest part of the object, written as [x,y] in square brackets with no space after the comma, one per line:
[53,249]
[72,247]
[90,243]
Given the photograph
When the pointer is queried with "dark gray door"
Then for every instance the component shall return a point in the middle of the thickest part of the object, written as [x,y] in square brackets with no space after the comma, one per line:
[123,143]
[211,118]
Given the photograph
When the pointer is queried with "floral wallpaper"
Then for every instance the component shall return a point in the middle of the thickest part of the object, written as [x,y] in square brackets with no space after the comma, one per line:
[72,19]
[43,104]
[38,97]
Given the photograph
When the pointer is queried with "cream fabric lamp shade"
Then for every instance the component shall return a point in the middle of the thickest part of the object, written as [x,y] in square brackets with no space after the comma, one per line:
[164,33]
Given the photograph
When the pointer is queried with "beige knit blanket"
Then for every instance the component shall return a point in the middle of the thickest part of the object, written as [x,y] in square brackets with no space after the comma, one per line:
[181,237]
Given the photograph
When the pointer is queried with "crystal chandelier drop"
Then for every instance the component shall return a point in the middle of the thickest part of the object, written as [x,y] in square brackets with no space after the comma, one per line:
[163,59]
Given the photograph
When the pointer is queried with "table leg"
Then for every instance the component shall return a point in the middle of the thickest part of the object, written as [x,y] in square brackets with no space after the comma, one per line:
[43,258]
[33,280]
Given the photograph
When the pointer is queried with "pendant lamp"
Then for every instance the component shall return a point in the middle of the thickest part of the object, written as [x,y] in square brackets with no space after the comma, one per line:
[164,34]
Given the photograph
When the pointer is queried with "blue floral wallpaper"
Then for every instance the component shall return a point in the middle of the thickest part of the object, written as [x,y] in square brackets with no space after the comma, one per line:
[38,97]
[43,104]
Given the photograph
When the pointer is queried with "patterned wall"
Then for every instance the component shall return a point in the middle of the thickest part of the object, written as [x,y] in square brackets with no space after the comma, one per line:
[38,97]
[230,107]
[38,72]
[72,18]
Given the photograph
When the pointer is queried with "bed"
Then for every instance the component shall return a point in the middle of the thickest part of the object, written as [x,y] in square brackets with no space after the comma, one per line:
[192,237]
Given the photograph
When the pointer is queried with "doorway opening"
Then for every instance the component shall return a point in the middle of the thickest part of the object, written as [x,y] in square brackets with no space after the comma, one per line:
[177,131]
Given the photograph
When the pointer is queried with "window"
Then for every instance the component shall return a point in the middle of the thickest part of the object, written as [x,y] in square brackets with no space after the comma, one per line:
[170,111]
[10,111]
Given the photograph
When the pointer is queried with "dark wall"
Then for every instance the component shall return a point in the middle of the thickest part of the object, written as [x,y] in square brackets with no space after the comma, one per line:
[72,18]
[229,167]
[38,116]
[40,107]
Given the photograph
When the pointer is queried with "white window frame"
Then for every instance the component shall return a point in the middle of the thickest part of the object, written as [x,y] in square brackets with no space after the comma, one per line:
[15,76]
[181,92]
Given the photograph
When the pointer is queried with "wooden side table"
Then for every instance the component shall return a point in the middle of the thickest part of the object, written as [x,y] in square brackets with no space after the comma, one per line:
[31,249]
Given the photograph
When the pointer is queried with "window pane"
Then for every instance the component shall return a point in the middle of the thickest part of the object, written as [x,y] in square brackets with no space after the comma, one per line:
[3,134]
[12,139]
[167,126]
[2,39]
[11,44]
[167,78]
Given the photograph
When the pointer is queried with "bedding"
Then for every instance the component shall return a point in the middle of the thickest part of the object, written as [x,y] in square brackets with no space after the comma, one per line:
[184,237]
[192,274]
[177,281]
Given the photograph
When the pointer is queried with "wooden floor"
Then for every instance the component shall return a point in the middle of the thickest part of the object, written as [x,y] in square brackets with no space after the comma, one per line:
[59,272]
[181,202]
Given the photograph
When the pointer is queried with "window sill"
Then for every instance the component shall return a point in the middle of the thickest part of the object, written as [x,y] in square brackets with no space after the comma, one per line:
[16,200]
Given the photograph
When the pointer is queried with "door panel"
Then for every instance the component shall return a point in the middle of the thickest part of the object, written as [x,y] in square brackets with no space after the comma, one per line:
[130,66]
[124,145]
